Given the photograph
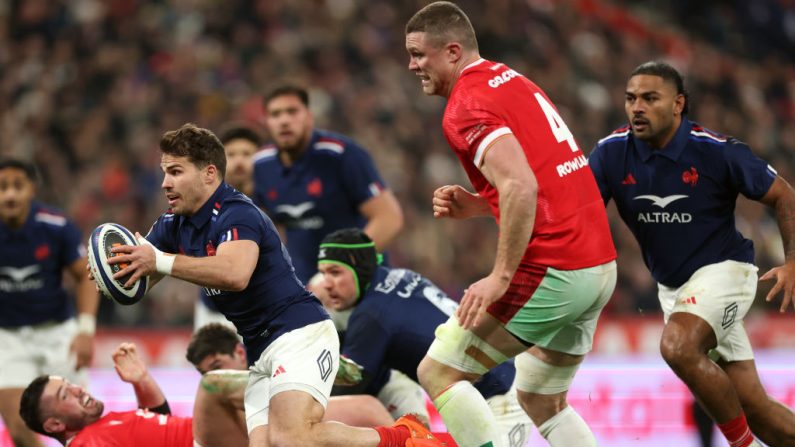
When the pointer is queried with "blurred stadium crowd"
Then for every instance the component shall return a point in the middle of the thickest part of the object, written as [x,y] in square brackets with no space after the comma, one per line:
[88,86]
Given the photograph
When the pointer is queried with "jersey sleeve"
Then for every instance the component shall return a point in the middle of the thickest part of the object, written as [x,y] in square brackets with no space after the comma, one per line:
[596,162]
[749,174]
[473,125]
[160,233]
[359,175]
[73,246]
[239,223]
[366,341]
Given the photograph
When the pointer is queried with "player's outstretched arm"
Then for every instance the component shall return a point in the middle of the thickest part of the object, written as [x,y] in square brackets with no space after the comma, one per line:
[87,303]
[455,202]
[131,369]
[384,218]
[781,196]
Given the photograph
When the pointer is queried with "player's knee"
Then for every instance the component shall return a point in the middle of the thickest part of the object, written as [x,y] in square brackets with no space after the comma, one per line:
[428,372]
[541,407]
[435,376]
[676,353]
[542,387]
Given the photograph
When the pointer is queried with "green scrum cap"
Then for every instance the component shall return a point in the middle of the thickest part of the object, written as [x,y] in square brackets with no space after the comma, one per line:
[354,250]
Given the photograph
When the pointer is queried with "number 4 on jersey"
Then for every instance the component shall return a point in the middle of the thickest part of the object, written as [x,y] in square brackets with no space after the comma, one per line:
[559,128]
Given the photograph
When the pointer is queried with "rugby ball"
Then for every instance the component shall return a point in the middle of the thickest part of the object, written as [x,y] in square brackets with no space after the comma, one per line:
[103,238]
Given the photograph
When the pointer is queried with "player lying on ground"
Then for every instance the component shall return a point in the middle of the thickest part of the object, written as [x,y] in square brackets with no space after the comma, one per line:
[54,407]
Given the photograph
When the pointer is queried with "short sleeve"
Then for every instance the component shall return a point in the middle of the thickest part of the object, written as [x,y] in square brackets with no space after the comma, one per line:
[73,247]
[749,174]
[471,124]
[366,341]
[240,222]
[360,176]
[596,162]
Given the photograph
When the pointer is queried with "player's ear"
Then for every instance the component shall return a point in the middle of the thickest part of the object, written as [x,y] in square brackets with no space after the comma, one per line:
[679,104]
[454,52]
[210,173]
[53,425]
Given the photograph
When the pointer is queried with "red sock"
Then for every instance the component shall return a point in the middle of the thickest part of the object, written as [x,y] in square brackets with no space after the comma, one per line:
[393,436]
[737,432]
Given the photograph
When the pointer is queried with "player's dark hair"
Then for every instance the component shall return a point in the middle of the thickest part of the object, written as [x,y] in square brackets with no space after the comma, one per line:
[669,74]
[444,22]
[287,90]
[13,163]
[30,405]
[201,146]
[239,132]
[210,339]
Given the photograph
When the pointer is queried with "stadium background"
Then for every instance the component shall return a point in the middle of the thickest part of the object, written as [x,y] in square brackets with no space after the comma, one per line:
[87,87]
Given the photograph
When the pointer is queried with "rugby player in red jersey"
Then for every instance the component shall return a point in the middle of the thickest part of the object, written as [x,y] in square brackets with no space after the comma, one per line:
[555,262]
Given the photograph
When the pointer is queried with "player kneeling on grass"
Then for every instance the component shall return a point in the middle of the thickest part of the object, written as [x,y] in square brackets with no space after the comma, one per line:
[54,407]
[218,355]
[394,314]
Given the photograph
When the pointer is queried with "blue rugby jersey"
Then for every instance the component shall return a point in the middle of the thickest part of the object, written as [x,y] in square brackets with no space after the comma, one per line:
[679,201]
[320,193]
[393,326]
[32,261]
[275,301]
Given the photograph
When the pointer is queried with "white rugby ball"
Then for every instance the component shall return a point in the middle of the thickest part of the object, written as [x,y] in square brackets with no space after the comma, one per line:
[103,238]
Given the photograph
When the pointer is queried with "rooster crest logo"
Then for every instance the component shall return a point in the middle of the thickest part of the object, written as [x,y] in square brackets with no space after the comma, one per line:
[690,177]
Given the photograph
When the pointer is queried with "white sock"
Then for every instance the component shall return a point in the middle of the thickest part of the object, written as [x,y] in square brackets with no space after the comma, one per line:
[467,416]
[567,429]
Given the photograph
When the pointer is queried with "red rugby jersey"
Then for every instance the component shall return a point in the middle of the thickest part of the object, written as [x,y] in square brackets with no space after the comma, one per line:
[491,100]
[135,429]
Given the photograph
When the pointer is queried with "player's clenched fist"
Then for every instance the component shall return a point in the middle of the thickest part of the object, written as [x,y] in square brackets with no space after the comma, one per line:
[457,203]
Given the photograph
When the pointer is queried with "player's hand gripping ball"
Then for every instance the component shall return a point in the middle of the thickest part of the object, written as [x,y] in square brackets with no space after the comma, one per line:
[103,238]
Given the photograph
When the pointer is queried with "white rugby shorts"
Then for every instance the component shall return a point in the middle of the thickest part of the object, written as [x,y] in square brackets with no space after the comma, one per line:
[721,295]
[27,352]
[304,359]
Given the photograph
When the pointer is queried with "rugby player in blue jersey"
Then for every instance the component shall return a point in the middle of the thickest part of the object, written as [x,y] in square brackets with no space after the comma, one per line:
[385,331]
[675,184]
[214,236]
[38,330]
[312,182]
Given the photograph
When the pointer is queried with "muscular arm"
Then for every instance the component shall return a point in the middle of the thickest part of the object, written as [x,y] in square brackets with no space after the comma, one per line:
[505,167]
[87,296]
[229,269]
[384,218]
[781,196]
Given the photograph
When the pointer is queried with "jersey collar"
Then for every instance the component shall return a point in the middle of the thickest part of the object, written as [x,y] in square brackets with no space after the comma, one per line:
[210,207]
[672,150]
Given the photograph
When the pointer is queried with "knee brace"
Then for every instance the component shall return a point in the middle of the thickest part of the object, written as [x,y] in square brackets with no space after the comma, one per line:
[539,377]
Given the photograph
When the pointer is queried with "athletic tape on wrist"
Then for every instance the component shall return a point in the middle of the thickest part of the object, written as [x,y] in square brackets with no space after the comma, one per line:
[164,262]
[86,324]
